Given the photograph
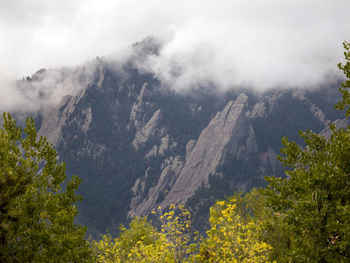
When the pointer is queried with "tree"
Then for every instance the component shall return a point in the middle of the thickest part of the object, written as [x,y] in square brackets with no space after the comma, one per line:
[313,201]
[235,234]
[345,86]
[36,215]
[142,242]
[140,232]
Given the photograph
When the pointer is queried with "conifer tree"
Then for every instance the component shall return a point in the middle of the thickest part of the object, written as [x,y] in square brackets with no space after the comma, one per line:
[36,214]
[313,201]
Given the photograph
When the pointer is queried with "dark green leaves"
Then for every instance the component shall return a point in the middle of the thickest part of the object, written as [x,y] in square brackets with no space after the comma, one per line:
[314,198]
[36,215]
[344,89]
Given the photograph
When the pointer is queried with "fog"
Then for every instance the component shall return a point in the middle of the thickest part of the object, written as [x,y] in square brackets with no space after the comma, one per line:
[257,44]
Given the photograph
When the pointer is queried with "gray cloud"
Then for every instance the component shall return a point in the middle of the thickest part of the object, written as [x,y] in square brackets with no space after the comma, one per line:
[255,43]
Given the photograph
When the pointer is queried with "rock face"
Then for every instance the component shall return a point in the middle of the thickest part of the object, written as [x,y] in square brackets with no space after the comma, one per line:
[143,206]
[148,131]
[228,132]
[54,118]
[137,145]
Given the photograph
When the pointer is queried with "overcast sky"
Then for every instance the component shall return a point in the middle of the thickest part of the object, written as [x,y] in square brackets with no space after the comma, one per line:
[262,43]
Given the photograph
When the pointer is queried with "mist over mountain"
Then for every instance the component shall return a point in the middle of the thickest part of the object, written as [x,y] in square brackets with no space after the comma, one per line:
[261,44]
[193,111]
[138,143]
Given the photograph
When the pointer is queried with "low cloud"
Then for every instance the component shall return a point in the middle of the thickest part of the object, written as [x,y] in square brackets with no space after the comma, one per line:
[259,44]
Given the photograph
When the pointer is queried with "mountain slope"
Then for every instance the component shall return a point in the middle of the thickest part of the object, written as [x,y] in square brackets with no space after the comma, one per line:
[137,144]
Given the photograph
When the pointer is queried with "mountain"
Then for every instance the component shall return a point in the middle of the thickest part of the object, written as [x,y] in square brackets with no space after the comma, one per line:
[137,144]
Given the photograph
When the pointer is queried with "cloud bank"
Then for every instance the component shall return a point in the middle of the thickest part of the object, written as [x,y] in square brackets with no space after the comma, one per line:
[258,43]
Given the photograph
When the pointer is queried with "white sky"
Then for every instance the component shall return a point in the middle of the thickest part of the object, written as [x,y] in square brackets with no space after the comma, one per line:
[262,43]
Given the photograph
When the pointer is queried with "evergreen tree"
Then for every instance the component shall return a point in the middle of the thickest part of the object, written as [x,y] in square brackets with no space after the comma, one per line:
[36,215]
[313,201]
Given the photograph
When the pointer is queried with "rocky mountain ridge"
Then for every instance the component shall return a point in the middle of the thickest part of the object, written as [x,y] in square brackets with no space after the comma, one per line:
[138,145]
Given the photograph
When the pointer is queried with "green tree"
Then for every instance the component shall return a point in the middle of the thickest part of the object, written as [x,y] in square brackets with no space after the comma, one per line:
[36,215]
[313,201]
[345,86]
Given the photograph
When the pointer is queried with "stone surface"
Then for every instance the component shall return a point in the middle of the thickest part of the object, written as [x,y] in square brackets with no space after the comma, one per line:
[148,131]
[223,135]
[167,178]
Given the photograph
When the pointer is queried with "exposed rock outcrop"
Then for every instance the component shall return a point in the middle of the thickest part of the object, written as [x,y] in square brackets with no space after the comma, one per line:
[314,109]
[148,131]
[226,133]
[54,117]
[189,147]
[143,206]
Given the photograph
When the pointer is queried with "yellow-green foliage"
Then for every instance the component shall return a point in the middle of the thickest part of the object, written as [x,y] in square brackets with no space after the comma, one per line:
[143,243]
[232,238]
[119,249]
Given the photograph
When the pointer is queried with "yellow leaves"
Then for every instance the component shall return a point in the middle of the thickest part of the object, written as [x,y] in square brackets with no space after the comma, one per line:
[220,203]
[170,244]
[231,238]
[107,250]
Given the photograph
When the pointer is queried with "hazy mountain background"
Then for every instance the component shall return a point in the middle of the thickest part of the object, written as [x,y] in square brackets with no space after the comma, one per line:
[191,112]
[138,144]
